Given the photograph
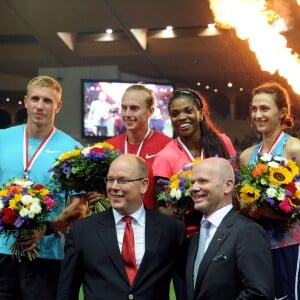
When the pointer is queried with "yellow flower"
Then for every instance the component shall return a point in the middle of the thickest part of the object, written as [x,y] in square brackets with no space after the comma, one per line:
[271,184]
[13,202]
[292,167]
[69,154]
[174,183]
[196,161]
[42,192]
[104,145]
[249,194]
[3,193]
[280,175]
[297,194]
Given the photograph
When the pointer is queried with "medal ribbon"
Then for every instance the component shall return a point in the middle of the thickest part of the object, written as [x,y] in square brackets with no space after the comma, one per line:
[274,143]
[141,144]
[27,163]
[188,152]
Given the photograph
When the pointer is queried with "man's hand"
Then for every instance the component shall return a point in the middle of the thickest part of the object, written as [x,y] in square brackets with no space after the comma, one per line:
[29,242]
[77,209]
[92,197]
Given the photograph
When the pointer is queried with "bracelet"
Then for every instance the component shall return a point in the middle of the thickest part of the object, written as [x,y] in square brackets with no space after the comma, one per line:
[49,228]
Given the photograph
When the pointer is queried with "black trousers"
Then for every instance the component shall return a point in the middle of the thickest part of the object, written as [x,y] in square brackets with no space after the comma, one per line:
[28,280]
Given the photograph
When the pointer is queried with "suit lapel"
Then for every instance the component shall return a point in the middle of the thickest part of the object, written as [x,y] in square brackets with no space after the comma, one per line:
[107,233]
[215,244]
[152,238]
[193,247]
[108,236]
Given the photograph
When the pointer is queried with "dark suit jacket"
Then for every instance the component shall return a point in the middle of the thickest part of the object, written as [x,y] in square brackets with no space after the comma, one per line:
[92,258]
[236,265]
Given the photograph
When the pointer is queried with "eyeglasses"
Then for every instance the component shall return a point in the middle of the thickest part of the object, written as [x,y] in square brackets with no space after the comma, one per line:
[121,181]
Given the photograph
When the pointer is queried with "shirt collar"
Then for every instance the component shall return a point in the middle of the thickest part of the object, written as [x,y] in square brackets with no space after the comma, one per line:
[216,217]
[138,215]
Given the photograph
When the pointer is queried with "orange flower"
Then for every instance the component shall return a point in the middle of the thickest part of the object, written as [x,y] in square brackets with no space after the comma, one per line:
[259,169]
[15,189]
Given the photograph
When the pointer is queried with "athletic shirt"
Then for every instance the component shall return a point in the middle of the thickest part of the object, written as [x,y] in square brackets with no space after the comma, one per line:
[173,157]
[279,238]
[11,166]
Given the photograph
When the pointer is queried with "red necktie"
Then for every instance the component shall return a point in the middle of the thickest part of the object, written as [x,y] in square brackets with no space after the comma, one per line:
[128,252]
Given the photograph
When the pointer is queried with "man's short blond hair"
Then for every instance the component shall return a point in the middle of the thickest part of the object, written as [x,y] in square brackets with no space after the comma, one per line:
[46,81]
[149,94]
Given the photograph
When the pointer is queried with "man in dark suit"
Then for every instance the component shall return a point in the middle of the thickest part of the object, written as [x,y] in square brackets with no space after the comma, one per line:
[237,262]
[94,246]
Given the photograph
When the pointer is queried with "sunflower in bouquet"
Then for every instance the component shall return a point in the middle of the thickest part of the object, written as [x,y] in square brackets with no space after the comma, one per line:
[272,187]
[24,206]
[84,170]
[176,196]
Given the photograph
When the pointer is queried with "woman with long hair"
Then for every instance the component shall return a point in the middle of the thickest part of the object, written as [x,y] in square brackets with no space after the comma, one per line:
[270,114]
[197,137]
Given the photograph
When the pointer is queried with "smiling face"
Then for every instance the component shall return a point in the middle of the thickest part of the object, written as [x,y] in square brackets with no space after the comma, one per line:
[265,114]
[127,197]
[134,110]
[185,116]
[212,183]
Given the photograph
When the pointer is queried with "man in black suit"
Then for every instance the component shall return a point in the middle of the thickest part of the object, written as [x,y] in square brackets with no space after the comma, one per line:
[237,262]
[94,246]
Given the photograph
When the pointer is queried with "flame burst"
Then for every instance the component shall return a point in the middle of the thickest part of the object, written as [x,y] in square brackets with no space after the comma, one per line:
[262,26]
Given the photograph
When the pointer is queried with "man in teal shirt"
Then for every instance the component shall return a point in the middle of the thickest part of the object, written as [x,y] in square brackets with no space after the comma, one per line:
[29,150]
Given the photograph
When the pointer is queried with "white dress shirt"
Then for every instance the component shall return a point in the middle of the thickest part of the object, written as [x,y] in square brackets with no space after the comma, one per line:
[138,226]
[215,220]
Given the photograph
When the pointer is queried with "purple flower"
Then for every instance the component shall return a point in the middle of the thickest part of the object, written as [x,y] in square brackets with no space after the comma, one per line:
[237,178]
[96,155]
[7,198]
[66,168]
[288,193]
[19,222]
[182,181]
[25,191]
[297,177]
[166,182]
[182,188]
[270,201]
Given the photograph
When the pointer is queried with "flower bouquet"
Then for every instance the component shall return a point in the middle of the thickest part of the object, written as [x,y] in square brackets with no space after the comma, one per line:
[24,206]
[84,170]
[177,200]
[176,196]
[270,188]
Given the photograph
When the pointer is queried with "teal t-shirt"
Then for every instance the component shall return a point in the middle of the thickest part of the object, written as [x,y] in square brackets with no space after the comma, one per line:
[12,166]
